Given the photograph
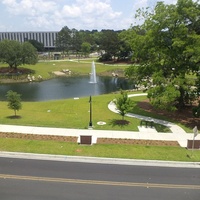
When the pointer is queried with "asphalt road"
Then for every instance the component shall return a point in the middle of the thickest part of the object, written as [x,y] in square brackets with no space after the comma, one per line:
[24,179]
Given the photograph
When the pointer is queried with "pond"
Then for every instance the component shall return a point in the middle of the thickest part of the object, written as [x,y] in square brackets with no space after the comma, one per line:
[64,87]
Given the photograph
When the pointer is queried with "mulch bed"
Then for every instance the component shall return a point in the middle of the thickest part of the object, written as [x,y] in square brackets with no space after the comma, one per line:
[20,70]
[99,140]
[183,116]
[137,142]
[38,137]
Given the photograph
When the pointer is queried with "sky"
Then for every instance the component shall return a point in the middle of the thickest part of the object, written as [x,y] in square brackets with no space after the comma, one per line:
[53,15]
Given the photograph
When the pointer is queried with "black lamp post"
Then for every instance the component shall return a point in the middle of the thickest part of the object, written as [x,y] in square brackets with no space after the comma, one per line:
[90,101]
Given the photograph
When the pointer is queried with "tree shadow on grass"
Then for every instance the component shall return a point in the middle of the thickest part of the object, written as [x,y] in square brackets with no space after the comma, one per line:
[119,122]
[14,117]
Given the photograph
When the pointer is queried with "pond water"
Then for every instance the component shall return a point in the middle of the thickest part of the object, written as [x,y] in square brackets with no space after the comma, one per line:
[64,87]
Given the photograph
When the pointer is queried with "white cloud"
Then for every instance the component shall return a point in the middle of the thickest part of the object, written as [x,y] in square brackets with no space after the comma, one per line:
[71,11]
[80,14]
[29,7]
[85,14]
[90,13]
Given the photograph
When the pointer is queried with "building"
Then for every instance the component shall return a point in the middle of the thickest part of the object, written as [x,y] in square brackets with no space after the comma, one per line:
[46,38]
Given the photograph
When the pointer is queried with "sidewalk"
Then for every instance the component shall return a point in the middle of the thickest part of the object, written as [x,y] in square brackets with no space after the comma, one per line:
[143,133]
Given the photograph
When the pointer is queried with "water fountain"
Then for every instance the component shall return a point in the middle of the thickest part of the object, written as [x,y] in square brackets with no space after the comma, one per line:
[66,87]
[93,77]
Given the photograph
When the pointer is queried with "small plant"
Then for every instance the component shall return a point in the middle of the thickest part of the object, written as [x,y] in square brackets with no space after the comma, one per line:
[14,101]
[123,104]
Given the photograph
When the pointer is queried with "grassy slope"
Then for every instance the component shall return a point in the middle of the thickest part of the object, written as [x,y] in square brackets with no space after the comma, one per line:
[68,113]
[110,151]
[83,67]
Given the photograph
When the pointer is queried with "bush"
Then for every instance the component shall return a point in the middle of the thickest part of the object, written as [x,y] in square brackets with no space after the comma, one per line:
[105,57]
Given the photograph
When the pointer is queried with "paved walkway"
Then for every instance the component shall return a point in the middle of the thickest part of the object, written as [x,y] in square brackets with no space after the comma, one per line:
[178,134]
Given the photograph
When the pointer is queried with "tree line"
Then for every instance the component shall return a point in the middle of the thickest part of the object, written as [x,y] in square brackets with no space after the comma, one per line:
[108,43]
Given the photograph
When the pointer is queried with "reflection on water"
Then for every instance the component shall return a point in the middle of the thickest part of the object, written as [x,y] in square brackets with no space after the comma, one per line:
[64,87]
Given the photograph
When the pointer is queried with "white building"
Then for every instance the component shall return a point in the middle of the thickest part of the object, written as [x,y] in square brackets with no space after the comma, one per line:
[46,38]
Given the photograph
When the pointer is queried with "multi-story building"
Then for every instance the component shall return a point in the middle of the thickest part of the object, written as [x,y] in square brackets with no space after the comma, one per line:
[46,38]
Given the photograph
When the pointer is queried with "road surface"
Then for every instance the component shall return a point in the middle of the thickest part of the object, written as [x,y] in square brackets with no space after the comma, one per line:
[26,179]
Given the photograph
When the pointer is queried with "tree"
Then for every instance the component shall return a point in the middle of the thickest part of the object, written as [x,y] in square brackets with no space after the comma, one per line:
[29,55]
[75,41]
[85,48]
[38,45]
[167,46]
[63,40]
[124,47]
[123,104]
[14,53]
[109,42]
[14,101]
[10,52]
[88,37]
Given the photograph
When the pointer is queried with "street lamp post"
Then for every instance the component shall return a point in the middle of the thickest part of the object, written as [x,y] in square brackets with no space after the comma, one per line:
[90,101]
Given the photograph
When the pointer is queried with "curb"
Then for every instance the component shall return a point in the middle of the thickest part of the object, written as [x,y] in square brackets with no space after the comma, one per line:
[95,160]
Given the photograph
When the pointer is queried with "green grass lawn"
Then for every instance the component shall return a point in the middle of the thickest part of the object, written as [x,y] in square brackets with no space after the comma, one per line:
[82,67]
[71,113]
[67,113]
[100,150]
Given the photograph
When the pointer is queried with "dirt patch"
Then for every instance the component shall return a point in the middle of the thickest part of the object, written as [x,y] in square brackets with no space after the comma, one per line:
[59,73]
[183,116]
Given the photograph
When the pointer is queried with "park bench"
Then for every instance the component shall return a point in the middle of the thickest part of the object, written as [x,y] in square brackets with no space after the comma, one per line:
[147,122]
